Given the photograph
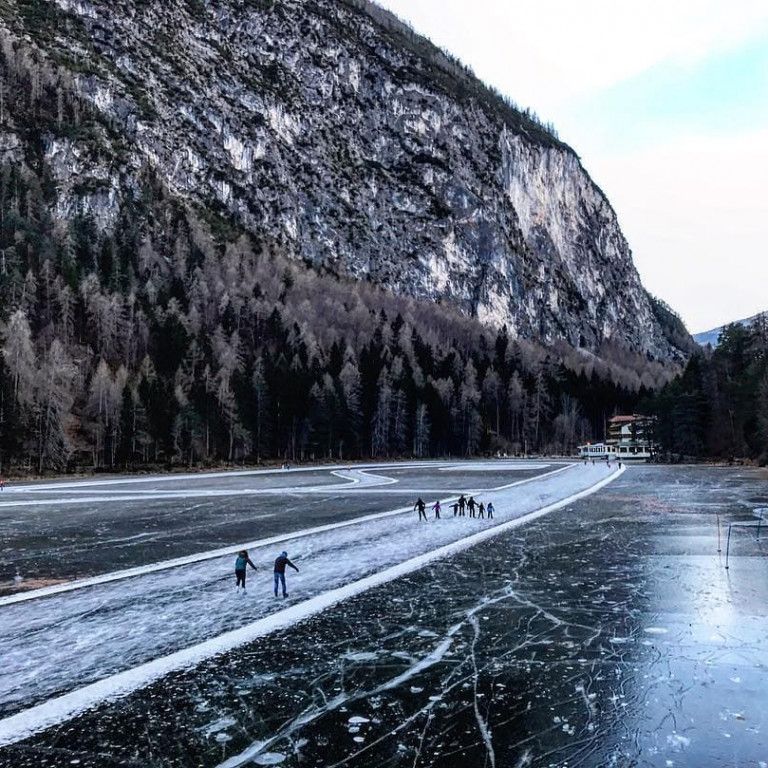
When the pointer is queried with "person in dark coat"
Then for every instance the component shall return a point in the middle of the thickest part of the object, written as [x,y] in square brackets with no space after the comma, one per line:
[241,563]
[421,507]
[481,510]
[462,504]
[280,564]
[455,508]
[471,504]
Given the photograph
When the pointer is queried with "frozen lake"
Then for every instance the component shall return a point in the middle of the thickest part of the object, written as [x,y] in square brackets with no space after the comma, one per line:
[66,530]
[604,632]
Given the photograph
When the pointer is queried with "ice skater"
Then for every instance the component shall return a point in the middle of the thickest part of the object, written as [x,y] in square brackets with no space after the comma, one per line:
[280,564]
[436,509]
[462,504]
[489,510]
[421,507]
[471,504]
[481,510]
[455,508]
[241,563]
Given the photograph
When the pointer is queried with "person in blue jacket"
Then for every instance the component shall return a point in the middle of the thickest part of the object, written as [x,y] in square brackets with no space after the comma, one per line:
[280,564]
[240,564]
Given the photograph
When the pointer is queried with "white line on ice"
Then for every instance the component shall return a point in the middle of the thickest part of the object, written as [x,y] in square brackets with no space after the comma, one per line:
[62,708]
[200,557]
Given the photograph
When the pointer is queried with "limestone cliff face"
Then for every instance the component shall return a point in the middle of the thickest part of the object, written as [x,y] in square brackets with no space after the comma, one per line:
[329,128]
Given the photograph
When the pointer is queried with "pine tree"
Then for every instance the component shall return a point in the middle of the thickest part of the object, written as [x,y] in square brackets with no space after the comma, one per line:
[469,404]
[515,405]
[762,417]
[380,427]
[351,389]
[261,408]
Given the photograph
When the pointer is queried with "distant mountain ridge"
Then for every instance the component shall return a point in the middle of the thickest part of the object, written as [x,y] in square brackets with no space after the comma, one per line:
[713,336]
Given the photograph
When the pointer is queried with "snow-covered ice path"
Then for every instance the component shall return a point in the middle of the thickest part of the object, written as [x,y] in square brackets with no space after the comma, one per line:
[57,644]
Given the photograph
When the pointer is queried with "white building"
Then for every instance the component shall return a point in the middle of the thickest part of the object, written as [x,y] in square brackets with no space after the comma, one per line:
[629,438]
[597,451]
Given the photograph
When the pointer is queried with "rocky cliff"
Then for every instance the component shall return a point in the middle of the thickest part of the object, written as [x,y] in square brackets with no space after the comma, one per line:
[328,128]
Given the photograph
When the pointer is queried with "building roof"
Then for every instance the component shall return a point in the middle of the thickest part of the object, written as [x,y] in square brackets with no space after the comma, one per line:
[627,419]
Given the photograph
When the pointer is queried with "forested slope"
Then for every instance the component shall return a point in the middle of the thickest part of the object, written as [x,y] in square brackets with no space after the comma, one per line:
[146,317]
[718,407]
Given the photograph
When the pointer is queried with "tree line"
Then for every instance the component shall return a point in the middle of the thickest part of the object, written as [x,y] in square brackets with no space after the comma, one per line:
[158,344]
[718,407]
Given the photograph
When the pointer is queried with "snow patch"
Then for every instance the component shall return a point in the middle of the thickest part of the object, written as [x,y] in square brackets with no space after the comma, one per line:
[677,742]
[270,758]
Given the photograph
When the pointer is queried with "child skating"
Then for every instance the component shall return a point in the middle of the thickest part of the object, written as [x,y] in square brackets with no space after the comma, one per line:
[241,563]
[436,509]
[280,564]
[489,510]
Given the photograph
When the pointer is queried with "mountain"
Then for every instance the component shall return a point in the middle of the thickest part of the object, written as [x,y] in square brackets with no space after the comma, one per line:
[239,228]
[713,337]
[331,129]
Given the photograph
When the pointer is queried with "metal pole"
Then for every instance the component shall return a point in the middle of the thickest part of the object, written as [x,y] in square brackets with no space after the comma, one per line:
[718,533]
[728,546]
[759,523]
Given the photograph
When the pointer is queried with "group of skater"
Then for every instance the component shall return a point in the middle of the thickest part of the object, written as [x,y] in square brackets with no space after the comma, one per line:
[607,461]
[462,507]
[243,561]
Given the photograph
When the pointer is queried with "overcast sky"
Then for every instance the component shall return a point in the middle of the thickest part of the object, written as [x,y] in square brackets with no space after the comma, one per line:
[667,105]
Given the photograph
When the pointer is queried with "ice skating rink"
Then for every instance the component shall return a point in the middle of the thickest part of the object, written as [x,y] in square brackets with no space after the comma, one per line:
[588,623]
[90,629]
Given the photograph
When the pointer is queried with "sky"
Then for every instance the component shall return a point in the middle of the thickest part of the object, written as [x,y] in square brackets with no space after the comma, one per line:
[666,103]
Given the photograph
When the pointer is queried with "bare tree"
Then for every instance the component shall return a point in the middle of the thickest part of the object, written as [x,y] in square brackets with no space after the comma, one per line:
[19,354]
[54,398]
[421,432]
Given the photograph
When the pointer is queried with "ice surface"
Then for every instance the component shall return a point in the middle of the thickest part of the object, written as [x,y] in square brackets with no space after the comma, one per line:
[504,647]
[138,521]
[160,611]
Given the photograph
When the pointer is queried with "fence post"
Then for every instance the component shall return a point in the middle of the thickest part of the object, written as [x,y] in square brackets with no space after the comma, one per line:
[728,546]
[718,532]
